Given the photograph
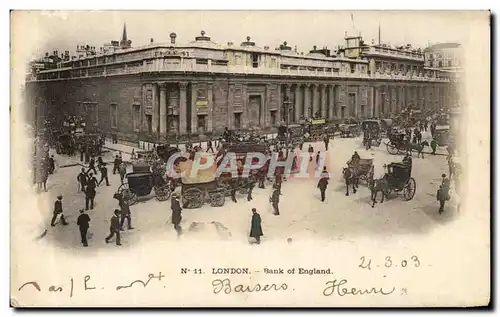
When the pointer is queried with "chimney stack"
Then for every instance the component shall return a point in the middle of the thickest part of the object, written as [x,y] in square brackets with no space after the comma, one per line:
[172,37]
[151,40]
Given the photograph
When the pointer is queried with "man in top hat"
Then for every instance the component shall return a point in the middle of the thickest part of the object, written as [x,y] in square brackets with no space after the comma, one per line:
[58,211]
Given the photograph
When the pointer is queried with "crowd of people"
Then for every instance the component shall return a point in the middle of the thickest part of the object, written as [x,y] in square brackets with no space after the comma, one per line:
[87,180]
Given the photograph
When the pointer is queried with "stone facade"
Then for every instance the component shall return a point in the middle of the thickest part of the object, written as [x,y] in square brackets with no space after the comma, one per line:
[168,108]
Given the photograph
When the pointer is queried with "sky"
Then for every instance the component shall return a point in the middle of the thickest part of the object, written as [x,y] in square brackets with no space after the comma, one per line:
[45,31]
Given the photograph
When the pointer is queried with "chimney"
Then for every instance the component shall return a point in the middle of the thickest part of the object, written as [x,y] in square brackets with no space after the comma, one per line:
[172,37]
[151,40]
[46,54]
[229,43]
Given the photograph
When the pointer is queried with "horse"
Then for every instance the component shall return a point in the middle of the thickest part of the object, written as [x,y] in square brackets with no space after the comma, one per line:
[378,185]
[419,147]
[351,178]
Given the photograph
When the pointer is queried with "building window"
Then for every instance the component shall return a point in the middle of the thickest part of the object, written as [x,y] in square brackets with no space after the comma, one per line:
[202,122]
[149,120]
[237,120]
[114,115]
[440,64]
[449,64]
[273,117]
[136,113]
[255,60]
[353,68]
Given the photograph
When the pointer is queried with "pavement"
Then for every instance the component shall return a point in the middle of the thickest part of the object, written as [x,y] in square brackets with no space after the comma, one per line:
[303,215]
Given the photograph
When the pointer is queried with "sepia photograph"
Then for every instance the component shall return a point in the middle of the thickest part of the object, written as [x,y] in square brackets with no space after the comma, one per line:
[250,158]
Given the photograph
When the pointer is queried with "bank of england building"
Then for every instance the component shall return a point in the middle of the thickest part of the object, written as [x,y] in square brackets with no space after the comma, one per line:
[167,90]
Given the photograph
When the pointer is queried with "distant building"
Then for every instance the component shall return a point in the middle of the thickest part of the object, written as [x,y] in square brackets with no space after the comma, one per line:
[170,89]
[448,59]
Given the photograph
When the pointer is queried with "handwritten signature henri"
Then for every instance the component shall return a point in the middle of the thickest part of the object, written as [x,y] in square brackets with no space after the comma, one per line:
[335,287]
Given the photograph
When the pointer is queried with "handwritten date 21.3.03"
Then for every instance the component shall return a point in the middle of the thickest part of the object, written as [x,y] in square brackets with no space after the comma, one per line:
[389,262]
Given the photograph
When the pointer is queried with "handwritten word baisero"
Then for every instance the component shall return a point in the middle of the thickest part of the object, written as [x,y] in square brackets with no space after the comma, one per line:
[226,287]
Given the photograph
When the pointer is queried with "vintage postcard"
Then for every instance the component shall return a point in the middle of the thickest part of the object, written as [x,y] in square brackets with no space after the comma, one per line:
[250,158]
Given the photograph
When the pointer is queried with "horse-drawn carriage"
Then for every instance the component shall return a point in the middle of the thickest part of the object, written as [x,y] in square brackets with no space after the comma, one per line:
[141,182]
[398,179]
[397,143]
[357,169]
[350,128]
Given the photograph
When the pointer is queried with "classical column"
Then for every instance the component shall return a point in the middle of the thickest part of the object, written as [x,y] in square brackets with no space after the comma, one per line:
[210,106]
[278,102]
[288,98]
[230,102]
[298,111]
[323,101]
[163,109]
[331,102]
[156,111]
[376,108]
[266,113]
[315,99]
[182,108]
[194,109]
[338,106]
[307,102]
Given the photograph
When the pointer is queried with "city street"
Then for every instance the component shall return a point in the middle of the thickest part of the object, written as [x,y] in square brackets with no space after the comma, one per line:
[303,215]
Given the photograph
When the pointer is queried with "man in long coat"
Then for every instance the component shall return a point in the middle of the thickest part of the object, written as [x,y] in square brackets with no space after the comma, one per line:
[176,212]
[275,199]
[323,183]
[256,228]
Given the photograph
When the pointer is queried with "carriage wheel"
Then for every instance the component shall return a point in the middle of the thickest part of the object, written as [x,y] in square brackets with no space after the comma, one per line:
[163,193]
[392,149]
[217,199]
[128,194]
[193,198]
[409,189]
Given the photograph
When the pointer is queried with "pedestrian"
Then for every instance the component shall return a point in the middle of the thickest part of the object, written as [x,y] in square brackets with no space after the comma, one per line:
[234,186]
[82,179]
[83,224]
[122,171]
[251,185]
[176,212]
[433,146]
[90,192]
[442,197]
[100,163]
[323,183]
[91,166]
[114,228]
[275,199]
[209,146]
[81,149]
[58,212]
[311,151]
[326,140]
[52,164]
[116,164]
[104,175]
[124,212]
[45,174]
[132,155]
[256,226]
[318,157]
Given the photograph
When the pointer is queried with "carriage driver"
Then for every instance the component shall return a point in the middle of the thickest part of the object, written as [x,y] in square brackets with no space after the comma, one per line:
[355,158]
